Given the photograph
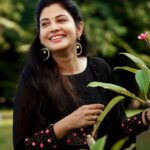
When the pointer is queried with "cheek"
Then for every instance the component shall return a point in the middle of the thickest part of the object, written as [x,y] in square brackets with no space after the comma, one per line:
[70,27]
[71,30]
[42,35]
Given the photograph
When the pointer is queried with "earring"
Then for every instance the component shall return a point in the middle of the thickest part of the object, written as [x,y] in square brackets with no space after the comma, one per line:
[79,48]
[45,53]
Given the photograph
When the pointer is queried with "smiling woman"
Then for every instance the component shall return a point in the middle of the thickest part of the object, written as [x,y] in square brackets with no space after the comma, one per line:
[54,108]
[58,30]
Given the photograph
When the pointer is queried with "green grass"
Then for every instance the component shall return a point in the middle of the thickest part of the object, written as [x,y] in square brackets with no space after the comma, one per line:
[6,130]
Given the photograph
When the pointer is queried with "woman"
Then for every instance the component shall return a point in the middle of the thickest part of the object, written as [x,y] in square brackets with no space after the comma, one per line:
[53,107]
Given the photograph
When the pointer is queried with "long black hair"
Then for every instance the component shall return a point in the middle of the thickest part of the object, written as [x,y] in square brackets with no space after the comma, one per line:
[53,88]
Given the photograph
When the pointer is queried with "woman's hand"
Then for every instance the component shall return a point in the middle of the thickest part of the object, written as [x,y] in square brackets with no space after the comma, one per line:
[146,117]
[85,115]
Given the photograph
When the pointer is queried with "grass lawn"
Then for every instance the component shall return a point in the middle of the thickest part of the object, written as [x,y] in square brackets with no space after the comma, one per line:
[6,130]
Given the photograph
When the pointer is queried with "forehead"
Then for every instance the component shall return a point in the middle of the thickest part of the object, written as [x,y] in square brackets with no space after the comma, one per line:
[53,11]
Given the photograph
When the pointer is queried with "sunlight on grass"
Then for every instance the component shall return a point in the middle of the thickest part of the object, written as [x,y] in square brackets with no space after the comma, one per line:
[6,137]
[7,122]
[6,130]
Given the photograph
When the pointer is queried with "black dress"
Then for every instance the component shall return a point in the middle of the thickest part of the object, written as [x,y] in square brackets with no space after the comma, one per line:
[29,135]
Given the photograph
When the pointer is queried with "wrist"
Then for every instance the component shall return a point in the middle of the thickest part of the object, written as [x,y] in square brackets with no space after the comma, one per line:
[68,123]
[146,116]
[61,128]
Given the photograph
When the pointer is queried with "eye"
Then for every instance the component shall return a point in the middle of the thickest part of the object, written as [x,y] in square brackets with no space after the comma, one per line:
[62,20]
[44,24]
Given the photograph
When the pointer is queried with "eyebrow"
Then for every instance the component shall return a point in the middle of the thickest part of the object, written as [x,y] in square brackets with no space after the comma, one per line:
[55,17]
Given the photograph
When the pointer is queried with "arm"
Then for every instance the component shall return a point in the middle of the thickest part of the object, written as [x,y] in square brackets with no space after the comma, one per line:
[85,115]
[51,136]
[126,126]
[27,135]
[28,131]
[136,124]
[133,125]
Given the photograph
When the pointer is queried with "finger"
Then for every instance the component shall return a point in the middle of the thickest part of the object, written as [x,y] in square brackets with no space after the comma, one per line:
[100,111]
[96,106]
[95,117]
[94,112]
[92,118]
[92,122]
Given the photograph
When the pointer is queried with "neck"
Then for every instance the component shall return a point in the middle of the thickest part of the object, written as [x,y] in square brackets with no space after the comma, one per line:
[69,64]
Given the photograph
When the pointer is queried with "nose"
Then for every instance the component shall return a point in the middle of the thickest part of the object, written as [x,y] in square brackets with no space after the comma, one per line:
[54,27]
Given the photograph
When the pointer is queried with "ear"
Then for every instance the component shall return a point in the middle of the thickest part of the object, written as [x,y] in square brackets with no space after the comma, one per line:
[80,27]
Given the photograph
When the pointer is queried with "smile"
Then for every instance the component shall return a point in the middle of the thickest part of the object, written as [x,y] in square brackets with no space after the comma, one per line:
[58,37]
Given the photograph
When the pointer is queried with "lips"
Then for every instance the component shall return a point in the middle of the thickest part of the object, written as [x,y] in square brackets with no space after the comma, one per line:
[56,37]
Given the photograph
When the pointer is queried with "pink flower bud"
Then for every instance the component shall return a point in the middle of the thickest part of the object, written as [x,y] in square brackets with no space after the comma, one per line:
[143,36]
[33,144]
[41,145]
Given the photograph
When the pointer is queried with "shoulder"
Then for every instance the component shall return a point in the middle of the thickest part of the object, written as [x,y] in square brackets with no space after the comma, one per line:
[101,67]
[99,62]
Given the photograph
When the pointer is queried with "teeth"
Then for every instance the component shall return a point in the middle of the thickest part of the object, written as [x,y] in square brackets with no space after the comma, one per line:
[56,37]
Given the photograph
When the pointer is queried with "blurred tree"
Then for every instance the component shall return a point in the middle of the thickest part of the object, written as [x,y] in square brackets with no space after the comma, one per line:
[14,41]
[112,27]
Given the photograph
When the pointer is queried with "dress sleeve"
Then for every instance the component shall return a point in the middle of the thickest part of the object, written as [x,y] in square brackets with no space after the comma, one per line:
[41,140]
[27,133]
[133,125]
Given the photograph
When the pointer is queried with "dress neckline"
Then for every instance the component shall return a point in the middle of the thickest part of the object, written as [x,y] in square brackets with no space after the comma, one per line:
[82,72]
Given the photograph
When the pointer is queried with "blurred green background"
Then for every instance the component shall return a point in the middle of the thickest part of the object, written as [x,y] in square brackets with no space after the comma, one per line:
[112,27]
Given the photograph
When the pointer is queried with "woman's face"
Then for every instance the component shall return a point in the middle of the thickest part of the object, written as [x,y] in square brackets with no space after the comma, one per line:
[58,30]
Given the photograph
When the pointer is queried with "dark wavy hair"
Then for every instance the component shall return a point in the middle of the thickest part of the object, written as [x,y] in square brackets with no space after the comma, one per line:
[53,88]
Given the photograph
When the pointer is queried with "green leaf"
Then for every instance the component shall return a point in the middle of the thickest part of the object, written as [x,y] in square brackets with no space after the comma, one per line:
[100,144]
[101,117]
[118,145]
[115,88]
[143,80]
[133,70]
[8,84]
[137,60]
[132,147]
[9,24]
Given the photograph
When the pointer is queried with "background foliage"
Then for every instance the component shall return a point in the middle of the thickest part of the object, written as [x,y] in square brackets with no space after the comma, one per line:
[112,27]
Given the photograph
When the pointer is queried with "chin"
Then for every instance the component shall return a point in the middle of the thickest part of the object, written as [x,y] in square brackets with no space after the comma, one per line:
[59,48]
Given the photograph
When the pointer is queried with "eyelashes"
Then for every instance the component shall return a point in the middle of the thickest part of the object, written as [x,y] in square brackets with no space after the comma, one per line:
[47,23]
